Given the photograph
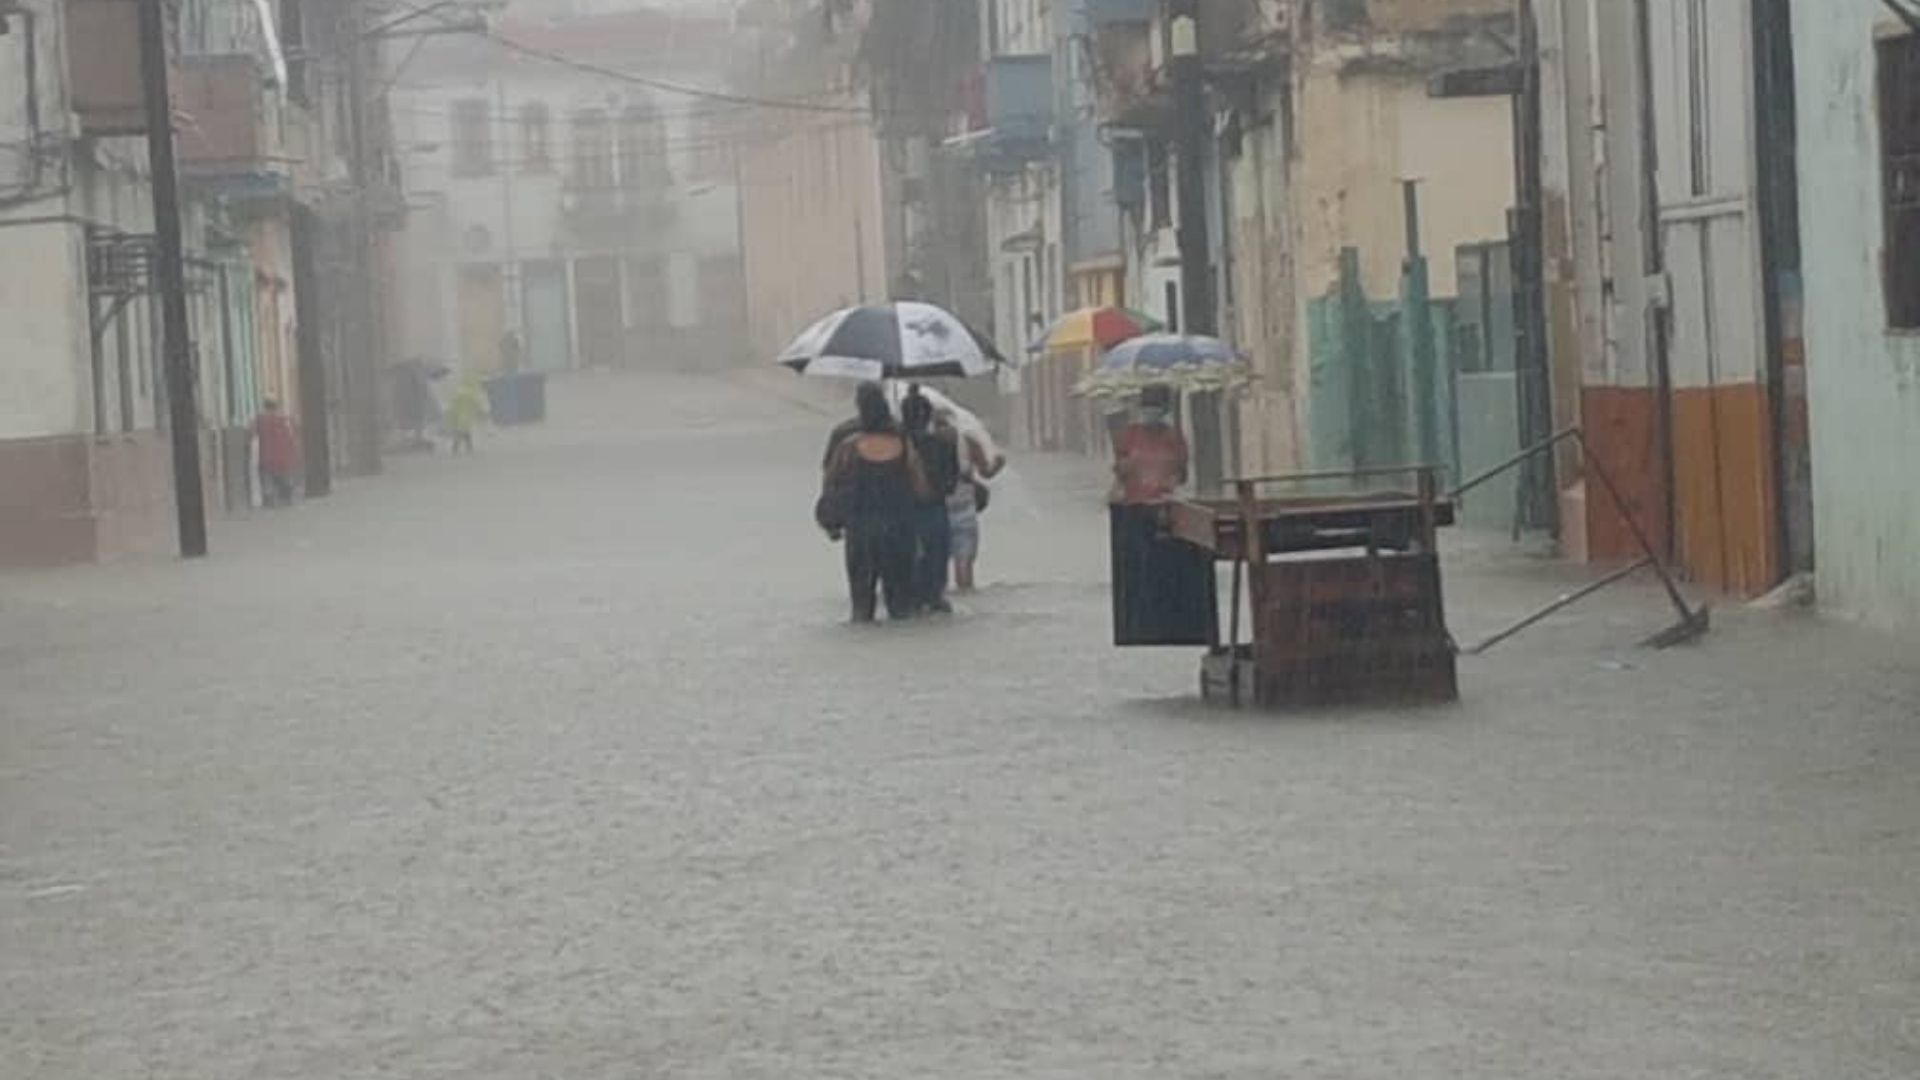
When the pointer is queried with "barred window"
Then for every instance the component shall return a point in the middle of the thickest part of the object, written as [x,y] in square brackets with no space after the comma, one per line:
[1900,153]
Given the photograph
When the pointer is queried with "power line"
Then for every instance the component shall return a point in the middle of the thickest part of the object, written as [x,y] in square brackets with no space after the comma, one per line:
[665,86]
[672,87]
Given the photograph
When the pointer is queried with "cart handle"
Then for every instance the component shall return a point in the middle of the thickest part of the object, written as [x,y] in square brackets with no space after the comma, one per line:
[1339,474]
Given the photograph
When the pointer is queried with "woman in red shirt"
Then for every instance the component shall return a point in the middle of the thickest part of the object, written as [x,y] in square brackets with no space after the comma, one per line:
[1150,454]
[1163,588]
[279,454]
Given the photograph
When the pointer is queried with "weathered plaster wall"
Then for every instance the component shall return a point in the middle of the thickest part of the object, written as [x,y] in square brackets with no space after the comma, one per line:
[1863,382]
[47,389]
[1359,136]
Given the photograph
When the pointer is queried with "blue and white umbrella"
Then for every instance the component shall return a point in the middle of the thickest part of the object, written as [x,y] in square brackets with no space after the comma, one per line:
[1190,363]
[905,339]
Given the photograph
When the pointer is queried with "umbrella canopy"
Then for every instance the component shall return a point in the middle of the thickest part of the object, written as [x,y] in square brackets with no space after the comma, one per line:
[1094,328]
[901,340]
[964,420]
[1181,362]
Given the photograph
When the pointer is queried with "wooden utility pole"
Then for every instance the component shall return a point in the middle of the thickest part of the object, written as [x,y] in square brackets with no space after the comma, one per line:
[365,365]
[1193,132]
[1538,496]
[1200,311]
[169,272]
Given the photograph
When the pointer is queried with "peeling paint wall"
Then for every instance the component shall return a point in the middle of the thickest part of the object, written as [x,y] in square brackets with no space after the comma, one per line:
[1863,382]
[1359,134]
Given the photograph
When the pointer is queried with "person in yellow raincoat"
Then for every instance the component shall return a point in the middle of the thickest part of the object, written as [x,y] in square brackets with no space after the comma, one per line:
[465,413]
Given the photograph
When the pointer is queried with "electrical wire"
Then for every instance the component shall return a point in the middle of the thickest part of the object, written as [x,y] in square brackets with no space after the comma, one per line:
[665,86]
[406,94]
[494,36]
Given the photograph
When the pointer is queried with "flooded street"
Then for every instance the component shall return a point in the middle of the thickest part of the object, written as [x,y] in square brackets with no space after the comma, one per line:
[559,761]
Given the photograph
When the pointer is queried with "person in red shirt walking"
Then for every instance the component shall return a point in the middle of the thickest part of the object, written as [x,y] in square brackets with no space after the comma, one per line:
[279,454]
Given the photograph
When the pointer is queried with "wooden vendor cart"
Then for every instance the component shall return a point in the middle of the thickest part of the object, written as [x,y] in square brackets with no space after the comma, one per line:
[1339,575]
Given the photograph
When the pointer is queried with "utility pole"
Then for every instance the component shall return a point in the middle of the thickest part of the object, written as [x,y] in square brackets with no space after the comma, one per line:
[1193,139]
[1538,504]
[362,389]
[169,271]
[316,434]
[1193,132]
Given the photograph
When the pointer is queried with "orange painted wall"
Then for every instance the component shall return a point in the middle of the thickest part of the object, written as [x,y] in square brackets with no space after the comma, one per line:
[1724,503]
[1623,433]
[1726,533]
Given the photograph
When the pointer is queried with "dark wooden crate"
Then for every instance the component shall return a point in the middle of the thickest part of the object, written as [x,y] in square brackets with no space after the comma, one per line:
[1352,630]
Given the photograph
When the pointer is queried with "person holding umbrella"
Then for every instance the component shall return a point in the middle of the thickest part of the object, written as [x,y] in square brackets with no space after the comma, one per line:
[1150,465]
[903,340]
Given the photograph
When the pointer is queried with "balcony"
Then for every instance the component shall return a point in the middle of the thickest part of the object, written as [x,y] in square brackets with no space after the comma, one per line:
[1011,113]
[1103,13]
[103,67]
[1434,16]
[233,128]
[610,216]
[1127,77]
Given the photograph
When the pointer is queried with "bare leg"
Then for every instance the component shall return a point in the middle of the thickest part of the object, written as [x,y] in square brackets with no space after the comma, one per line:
[963,575]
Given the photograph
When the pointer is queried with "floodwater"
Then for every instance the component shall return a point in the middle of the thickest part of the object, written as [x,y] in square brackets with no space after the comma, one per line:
[558,761]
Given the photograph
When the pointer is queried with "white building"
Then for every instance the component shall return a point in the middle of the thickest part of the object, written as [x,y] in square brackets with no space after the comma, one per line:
[85,471]
[572,183]
[1013,143]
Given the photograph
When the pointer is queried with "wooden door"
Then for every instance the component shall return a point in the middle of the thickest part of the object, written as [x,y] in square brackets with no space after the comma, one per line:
[599,311]
[482,318]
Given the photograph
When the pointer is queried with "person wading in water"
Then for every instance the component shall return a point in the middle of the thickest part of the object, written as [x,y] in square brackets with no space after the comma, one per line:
[873,483]
[939,454]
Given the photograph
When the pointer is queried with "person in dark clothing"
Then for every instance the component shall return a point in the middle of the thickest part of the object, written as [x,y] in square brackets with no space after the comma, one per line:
[874,477]
[939,455]
[865,392]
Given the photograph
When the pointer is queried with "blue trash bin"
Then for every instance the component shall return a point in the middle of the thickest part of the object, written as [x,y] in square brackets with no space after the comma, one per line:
[518,398]
[533,397]
[503,400]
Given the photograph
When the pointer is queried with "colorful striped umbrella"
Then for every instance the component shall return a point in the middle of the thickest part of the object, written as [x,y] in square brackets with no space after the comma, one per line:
[1094,328]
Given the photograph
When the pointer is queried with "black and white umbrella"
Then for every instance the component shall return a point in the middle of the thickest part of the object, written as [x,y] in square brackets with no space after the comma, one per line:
[905,339]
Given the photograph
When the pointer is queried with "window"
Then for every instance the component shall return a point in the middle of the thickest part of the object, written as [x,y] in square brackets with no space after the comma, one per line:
[1028,314]
[592,150]
[643,149]
[647,293]
[472,138]
[710,152]
[1159,186]
[536,139]
[1900,149]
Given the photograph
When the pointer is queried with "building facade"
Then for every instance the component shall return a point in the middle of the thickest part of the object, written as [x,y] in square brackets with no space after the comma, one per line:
[84,462]
[1857,67]
[563,214]
[851,189]
[1672,285]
